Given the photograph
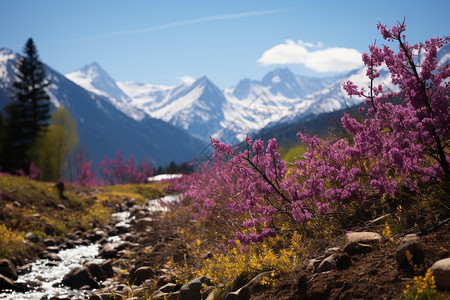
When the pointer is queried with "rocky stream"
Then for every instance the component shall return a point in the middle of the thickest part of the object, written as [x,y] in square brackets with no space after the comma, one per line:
[86,263]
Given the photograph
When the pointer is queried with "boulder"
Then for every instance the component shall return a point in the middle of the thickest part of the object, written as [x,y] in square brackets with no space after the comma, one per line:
[78,277]
[441,272]
[410,251]
[8,269]
[361,242]
[192,289]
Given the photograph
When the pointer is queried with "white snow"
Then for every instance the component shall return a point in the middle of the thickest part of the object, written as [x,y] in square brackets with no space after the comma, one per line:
[276,79]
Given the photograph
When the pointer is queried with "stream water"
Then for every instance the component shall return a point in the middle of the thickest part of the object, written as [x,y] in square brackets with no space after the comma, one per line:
[45,275]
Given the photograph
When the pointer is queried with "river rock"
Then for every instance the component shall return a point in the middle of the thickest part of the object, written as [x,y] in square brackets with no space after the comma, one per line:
[102,241]
[7,283]
[99,234]
[49,256]
[32,237]
[441,272]
[50,242]
[122,228]
[191,290]
[361,242]
[139,275]
[53,249]
[411,244]
[142,224]
[107,268]
[96,271]
[108,251]
[8,269]
[138,212]
[78,277]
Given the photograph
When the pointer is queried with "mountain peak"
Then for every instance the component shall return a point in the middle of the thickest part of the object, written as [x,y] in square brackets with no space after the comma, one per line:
[93,70]
[7,54]
[203,80]
[6,51]
[278,75]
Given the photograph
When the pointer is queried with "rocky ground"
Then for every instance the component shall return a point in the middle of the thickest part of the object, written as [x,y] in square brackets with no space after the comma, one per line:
[358,266]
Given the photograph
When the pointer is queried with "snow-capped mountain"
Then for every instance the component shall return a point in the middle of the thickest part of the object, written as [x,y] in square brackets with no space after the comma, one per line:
[93,78]
[196,107]
[102,127]
[203,109]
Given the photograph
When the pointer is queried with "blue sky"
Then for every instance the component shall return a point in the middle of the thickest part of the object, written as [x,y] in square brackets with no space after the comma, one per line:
[164,42]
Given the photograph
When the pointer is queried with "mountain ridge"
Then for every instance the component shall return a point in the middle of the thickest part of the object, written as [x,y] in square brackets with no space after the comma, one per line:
[204,110]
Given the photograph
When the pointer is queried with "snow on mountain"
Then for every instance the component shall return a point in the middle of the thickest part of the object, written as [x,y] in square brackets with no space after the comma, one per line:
[94,79]
[253,105]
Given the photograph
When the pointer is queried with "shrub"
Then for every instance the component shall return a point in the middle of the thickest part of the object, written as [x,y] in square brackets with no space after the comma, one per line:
[11,242]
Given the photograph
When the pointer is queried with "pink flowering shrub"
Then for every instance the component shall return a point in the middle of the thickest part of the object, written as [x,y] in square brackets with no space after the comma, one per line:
[405,144]
[117,172]
[112,171]
[84,175]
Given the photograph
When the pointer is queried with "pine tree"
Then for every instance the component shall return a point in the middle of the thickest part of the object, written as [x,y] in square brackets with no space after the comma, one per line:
[28,113]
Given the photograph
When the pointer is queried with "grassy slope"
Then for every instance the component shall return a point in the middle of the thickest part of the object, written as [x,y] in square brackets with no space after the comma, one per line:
[32,206]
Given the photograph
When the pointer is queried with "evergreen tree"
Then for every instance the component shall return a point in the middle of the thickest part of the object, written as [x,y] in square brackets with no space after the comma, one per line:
[28,113]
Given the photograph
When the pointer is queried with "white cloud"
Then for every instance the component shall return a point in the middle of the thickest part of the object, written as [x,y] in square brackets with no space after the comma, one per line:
[187,79]
[321,60]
